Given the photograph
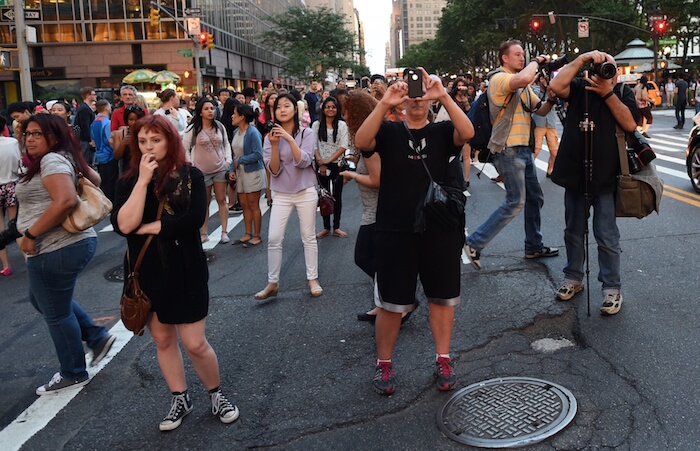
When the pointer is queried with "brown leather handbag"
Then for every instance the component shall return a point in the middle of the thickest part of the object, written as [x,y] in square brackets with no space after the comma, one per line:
[135,304]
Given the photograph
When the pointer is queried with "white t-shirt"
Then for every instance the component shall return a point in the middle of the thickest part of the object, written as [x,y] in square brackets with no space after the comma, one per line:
[9,160]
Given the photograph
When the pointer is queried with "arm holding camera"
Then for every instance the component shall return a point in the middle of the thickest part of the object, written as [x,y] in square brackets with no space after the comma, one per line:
[596,84]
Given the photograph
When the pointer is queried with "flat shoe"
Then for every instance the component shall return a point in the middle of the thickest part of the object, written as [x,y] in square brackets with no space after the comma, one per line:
[250,243]
[241,241]
[339,233]
[6,272]
[262,295]
[322,234]
[204,237]
[316,291]
[224,238]
[366,317]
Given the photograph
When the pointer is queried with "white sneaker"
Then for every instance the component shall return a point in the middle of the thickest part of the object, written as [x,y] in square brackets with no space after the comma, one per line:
[568,289]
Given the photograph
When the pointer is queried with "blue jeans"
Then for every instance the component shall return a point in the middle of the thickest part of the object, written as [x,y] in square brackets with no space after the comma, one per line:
[606,235]
[516,166]
[52,278]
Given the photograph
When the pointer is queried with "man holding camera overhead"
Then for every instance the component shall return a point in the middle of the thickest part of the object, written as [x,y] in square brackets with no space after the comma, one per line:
[607,104]
[511,152]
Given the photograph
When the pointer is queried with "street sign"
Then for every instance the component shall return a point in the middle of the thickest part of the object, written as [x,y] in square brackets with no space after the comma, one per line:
[668,41]
[187,53]
[583,28]
[7,14]
[193,26]
[193,11]
[32,14]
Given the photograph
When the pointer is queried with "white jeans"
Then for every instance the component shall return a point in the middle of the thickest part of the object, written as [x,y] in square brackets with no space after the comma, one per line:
[305,202]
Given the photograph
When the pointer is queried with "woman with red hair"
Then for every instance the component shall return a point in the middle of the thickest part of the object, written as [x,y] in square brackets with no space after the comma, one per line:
[174,271]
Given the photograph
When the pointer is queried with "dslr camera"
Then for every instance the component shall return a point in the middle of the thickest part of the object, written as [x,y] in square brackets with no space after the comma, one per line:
[10,234]
[639,152]
[269,125]
[546,69]
[604,70]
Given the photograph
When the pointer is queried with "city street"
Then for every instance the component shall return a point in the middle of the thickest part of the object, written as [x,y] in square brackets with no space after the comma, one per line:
[299,368]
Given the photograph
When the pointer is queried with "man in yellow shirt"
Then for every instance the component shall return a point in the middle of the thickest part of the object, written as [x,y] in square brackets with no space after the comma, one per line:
[512,153]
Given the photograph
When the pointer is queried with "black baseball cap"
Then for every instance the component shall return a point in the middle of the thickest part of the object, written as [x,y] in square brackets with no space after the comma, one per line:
[377,77]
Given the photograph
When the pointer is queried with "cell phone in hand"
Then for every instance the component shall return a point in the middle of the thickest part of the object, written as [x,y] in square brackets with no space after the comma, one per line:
[415,83]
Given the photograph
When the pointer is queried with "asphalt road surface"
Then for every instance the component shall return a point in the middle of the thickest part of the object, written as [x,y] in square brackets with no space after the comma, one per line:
[299,368]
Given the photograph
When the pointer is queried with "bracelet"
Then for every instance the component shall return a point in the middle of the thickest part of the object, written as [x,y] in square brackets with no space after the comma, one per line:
[607,96]
[29,235]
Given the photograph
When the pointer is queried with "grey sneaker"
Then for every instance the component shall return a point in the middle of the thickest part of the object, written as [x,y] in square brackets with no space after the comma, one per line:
[227,412]
[445,378]
[180,406]
[100,351]
[568,289]
[474,256]
[544,252]
[58,384]
[384,380]
[612,302]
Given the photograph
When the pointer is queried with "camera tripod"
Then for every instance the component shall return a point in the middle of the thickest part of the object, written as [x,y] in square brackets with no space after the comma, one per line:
[587,126]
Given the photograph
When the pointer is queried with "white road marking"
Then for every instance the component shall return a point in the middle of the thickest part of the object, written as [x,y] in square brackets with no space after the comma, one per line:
[46,407]
[233,221]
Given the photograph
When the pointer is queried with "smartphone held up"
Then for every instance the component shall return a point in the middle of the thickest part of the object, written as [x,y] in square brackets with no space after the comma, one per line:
[415,83]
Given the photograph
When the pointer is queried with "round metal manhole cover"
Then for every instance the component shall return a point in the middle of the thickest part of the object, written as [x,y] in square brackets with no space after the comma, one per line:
[115,274]
[507,412]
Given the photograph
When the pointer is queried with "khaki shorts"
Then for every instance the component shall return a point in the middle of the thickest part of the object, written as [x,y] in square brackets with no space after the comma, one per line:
[215,177]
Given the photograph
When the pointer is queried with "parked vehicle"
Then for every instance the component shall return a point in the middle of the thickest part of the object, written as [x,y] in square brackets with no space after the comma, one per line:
[654,93]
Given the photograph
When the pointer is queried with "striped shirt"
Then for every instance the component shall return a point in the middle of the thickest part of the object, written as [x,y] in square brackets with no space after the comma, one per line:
[499,87]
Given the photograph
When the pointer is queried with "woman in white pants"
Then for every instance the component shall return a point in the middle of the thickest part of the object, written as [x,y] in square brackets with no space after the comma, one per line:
[288,153]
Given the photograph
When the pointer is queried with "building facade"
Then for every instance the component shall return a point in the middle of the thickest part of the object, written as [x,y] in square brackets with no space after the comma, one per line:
[98,42]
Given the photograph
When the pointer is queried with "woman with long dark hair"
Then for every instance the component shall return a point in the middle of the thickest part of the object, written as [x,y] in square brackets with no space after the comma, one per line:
[122,137]
[174,271]
[55,258]
[460,94]
[331,142]
[208,148]
[266,115]
[287,153]
[249,173]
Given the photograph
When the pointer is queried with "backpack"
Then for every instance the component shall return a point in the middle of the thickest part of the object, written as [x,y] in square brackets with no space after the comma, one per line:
[479,116]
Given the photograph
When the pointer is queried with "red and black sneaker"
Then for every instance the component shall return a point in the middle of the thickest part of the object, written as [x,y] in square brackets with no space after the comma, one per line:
[445,378]
[384,380]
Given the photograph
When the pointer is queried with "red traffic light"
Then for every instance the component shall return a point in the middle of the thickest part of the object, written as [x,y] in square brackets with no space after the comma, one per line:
[660,27]
[535,25]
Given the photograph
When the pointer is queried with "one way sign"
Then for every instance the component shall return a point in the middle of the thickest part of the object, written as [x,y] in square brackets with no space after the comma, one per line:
[8,14]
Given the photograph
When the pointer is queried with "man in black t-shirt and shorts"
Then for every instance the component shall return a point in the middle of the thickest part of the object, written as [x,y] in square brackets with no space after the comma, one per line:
[402,254]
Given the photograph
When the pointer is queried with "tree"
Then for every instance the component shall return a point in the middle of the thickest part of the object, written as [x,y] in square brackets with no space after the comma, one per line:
[312,40]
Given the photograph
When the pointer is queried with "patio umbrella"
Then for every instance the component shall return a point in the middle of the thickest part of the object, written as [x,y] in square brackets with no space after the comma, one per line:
[139,76]
[165,76]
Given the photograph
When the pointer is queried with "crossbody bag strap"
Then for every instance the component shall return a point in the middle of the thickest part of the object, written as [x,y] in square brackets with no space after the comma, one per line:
[415,148]
[145,245]
[622,150]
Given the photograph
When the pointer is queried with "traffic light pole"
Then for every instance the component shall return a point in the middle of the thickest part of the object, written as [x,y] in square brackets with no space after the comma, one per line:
[197,68]
[25,77]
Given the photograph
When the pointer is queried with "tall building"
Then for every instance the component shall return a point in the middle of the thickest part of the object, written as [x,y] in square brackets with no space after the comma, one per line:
[412,22]
[98,42]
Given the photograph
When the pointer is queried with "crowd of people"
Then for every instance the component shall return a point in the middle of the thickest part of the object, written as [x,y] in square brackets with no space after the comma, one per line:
[161,167]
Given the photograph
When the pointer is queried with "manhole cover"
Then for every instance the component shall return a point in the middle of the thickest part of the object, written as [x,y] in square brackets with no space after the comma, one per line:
[115,274]
[508,412]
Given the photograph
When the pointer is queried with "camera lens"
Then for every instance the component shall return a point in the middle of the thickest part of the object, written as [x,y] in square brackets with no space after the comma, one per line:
[605,70]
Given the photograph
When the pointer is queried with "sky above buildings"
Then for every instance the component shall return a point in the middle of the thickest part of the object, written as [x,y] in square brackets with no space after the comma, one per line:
[375,16]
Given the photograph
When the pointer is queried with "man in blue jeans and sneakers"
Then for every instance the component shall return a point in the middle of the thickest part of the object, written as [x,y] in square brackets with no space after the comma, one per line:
[511,151]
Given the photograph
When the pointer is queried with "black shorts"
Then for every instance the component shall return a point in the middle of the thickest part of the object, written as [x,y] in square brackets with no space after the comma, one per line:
[402,257]
[645,113]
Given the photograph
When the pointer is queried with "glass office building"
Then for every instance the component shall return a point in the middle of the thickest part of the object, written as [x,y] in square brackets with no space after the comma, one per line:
[98,42]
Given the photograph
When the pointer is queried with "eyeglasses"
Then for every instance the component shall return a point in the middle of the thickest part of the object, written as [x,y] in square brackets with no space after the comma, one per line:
[329,107]
[35,135]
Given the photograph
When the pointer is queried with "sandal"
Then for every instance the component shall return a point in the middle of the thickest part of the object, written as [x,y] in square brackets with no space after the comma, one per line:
[241,240]
[268,292]
[250,242]
[323,233]
[315,289]
[224,238]
[339,233]
[204,237]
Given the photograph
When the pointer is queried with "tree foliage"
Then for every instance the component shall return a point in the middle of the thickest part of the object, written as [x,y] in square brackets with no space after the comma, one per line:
[312,40]
[470,31]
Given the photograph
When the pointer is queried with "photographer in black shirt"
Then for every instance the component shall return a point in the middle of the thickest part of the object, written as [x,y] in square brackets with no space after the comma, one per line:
[607,104]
